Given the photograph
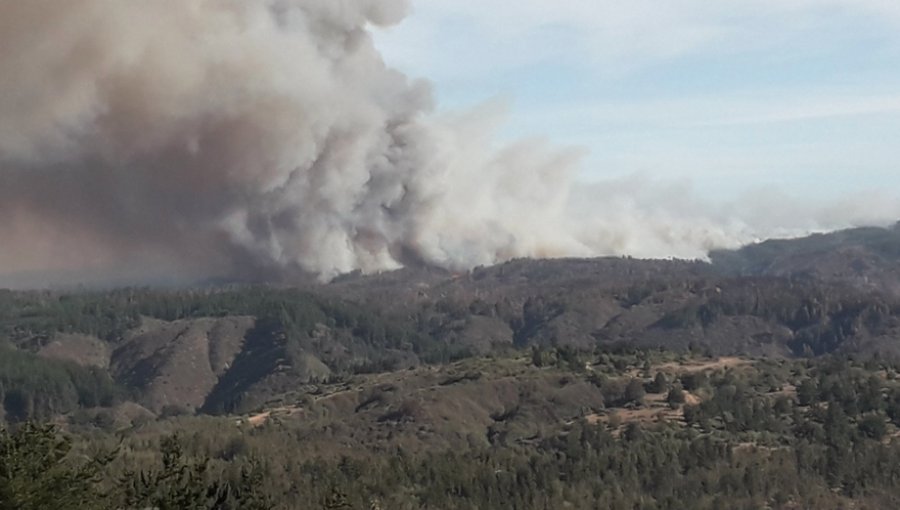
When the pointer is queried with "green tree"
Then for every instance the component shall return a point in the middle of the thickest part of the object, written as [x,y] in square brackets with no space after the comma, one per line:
[37,472]
[634,391]
[873,426]
[659,384]
[676,396]
[185,484]
[807,392]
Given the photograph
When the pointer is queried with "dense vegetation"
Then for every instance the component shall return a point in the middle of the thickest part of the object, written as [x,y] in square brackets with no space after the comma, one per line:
[351,331]
[764,434]
[38,471]
[36,388]
[768,379]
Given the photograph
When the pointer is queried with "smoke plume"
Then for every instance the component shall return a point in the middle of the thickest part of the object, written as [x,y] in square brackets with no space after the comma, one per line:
[166,141]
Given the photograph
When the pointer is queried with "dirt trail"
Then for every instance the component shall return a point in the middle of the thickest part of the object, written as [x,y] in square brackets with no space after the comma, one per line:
[701,366]
[260,419]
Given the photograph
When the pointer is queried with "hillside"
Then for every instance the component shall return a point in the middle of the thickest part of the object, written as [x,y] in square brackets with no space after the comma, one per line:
[555,429]
[767,378]
[865,257]
[233,349]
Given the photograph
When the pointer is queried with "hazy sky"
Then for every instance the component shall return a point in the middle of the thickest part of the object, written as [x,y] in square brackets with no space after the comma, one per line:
[731,96]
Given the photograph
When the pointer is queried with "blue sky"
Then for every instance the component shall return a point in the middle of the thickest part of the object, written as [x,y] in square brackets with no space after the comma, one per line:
[729,96]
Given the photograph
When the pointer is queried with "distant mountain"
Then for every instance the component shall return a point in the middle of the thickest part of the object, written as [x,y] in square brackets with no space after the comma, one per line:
[869,257]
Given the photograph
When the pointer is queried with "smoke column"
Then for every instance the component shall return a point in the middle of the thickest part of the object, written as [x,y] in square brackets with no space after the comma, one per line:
[170,141]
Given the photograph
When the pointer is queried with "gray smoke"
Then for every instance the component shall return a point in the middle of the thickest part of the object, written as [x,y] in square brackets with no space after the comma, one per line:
[178,140]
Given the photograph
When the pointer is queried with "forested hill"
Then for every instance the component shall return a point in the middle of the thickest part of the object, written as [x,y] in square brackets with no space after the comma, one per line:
[765,379]
[230,349]
[864,256]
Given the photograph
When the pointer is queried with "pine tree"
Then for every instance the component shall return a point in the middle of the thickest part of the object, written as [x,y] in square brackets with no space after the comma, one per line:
[38,473]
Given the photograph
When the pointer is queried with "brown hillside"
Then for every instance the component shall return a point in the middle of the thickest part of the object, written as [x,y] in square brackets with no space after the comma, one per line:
[179,363]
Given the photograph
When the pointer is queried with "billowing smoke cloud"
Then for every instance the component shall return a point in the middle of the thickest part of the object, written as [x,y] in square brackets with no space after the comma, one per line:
[178,140]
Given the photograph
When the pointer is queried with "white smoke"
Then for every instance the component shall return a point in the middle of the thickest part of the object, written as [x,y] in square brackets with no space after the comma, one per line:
[177,140]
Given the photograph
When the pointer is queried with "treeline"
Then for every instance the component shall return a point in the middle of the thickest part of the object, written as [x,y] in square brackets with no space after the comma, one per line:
[33,317]
[39,470]
[653,468]
[108,315]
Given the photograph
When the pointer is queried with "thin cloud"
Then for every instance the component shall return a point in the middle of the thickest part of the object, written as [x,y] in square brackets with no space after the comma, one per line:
[614,36]
[720,110]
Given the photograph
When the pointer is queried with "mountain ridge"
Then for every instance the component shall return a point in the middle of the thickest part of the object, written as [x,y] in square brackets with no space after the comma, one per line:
[232,349]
